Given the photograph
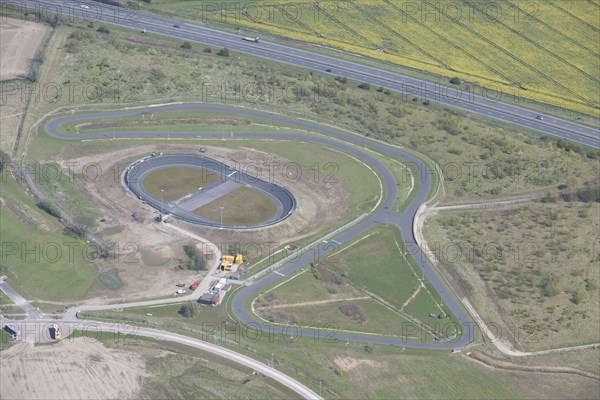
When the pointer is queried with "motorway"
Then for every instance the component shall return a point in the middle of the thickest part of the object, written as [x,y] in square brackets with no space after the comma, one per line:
[384,214]
[477,104]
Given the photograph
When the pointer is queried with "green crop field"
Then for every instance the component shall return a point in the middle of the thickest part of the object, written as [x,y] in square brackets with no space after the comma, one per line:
[173,183]
[539,51]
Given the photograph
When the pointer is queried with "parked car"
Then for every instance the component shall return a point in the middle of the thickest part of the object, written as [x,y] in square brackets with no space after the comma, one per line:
[180,285]
[180,291]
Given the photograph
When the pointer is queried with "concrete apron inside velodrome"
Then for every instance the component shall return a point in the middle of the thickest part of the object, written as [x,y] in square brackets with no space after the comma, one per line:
[204,196]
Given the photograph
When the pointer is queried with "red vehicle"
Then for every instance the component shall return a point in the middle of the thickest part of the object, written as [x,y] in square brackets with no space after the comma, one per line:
[194,286]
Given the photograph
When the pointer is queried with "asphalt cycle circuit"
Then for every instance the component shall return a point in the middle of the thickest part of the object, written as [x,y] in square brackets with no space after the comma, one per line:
[350,144]
[229,180]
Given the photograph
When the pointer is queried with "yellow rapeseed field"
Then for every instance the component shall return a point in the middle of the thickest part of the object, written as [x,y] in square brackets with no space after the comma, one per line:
[545,51]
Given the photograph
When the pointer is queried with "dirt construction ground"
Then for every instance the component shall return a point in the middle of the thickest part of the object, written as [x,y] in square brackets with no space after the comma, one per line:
[19,41]
[78,368]
[157,249]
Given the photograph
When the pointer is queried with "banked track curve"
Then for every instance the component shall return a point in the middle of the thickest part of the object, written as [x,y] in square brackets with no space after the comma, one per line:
[337,138]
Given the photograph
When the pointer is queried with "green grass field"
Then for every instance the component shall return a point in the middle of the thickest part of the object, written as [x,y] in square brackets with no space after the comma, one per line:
[40,260]
[375,263]
[242,206]
[171,184]
[378,319]
[370,267]
[62,189]
[304,287]
[541,52]
[175,121]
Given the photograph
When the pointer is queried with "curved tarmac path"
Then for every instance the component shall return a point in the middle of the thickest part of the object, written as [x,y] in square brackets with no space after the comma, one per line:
[403,220]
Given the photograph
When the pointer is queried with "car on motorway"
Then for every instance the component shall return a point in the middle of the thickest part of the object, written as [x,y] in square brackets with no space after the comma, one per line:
[328,70]
[180,291]
[176,26]
[85,6]
[539,117]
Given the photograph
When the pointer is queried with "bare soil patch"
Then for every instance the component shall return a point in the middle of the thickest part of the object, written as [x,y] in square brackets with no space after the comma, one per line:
[71,369]
[19,41]
[349,363]
[150,255]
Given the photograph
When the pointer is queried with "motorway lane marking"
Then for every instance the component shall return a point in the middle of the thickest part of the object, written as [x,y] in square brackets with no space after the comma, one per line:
[231,174]
[278,273]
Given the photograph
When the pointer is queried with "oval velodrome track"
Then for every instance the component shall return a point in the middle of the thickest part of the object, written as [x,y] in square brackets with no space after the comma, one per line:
[403,220]
[135,176]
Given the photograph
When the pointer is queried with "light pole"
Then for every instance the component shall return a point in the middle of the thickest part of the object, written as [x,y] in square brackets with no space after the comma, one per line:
[320,389]
[221,217]
[161,201]
[271,360]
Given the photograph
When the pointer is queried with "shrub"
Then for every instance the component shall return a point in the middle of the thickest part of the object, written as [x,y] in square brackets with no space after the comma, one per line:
[578,297]
[330,276]
[550,286]
[589,193]
[196,258]
[224,52]
[186,45]
[103,29]
[549,198]
[364,86]
[354,311]
[455,81]
[316,273]
[189,310]
[4,160]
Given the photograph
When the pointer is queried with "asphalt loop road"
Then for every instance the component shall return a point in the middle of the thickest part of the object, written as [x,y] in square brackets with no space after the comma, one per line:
[478,101]
[403,220]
